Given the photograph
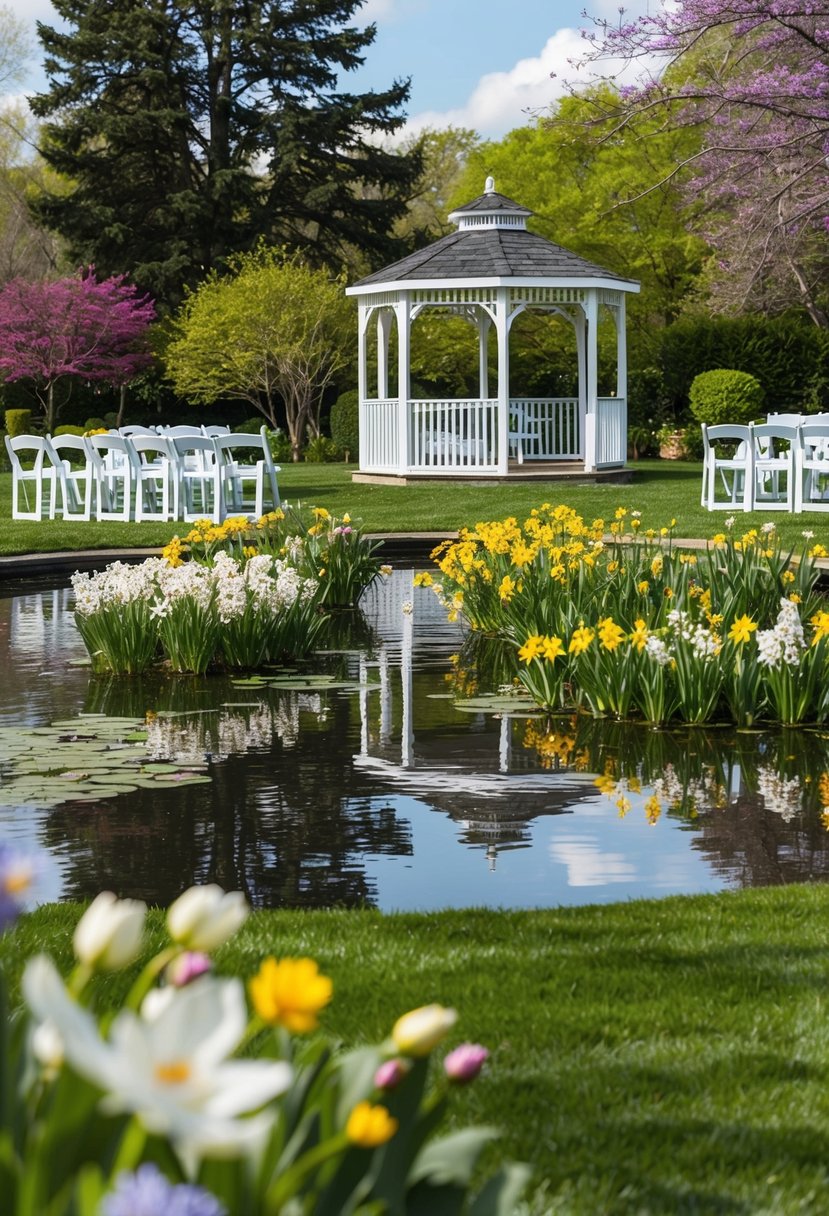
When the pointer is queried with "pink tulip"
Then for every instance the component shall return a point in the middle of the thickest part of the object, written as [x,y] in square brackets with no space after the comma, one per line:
[465,1062]
[187,967]
[391,1073]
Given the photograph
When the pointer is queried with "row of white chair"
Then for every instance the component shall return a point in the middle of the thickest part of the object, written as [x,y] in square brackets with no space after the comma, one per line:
[770,466]
[143,475]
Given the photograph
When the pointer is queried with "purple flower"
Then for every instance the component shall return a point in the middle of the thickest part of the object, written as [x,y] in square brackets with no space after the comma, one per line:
[148,1193]
[391,1073]
[465,1062]
[188,967]
[16,874]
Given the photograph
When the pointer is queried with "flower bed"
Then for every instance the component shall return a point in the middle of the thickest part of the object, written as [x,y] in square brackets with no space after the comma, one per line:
[633,626]
[249,595]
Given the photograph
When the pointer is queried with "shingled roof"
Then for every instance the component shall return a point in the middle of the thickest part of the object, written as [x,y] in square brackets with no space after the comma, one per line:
[490,253]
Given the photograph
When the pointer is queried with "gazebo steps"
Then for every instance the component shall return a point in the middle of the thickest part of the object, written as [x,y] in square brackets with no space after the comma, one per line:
[537,470]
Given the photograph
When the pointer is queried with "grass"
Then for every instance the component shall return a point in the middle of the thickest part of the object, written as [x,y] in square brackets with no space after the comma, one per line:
[648,1057]
[660,489]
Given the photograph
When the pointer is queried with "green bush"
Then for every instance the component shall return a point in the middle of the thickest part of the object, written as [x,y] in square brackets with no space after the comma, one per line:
[321,450]
[278,442]
[18,422]
[69,430]
[94,424]
[251,426]
[345,423]
[725,395]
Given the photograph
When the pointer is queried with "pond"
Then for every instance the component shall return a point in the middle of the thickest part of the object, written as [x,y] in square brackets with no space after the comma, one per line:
[360,780]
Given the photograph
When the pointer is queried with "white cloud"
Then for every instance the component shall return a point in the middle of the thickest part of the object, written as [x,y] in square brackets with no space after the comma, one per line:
[376,10]
[587,865]
[503,100]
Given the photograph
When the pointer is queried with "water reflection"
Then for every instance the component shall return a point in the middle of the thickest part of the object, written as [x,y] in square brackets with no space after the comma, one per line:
[357,780]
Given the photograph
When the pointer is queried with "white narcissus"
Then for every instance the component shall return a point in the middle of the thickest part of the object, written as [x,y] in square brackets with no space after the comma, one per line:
[417,1032]
[109,933]
[203,918]
[170,1068]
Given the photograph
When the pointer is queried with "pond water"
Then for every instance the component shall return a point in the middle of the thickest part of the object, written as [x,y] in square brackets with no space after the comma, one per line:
[358,780]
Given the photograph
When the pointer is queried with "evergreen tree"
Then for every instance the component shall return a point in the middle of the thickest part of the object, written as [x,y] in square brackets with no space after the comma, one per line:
[191,129]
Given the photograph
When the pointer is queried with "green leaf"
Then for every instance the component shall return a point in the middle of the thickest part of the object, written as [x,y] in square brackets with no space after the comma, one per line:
[502,1192]
[90,1188]
[452,1159]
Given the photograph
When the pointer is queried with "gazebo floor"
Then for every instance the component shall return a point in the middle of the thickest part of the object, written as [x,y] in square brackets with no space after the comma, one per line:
[536,470]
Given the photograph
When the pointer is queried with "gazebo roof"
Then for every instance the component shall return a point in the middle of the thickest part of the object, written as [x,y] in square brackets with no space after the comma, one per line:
[492,242]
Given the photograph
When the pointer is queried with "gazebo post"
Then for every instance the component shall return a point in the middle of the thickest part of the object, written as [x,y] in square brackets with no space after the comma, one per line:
[591,311]
[621,351]
[484,323]
[404,317]
[502,333]
[383,330]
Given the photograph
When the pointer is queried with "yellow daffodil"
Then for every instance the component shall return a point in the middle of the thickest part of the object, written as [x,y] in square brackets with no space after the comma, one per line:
[370,1126]
[638,639]
[531,649]
[581,639]
[552,648]
[741,630]
[610,634]
[290,993]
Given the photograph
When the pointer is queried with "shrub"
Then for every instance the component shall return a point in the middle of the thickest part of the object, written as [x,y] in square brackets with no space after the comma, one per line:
[18,422]
[725,395]
[94,424]
[69,430]
[321,450]
[345,423]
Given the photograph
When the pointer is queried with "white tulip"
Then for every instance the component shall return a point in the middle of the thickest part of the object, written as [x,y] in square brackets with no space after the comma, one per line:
[203,918]
[419,1030]
[171,1069]
[109,933]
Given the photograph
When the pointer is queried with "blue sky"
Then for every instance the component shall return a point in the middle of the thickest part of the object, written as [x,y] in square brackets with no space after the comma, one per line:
[477,63]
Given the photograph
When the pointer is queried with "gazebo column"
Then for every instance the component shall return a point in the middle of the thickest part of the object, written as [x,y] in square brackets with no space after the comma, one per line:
[383,331]
[362,380]
[591,380]
[502,334]
[621,350]
[484,324]
[404,321]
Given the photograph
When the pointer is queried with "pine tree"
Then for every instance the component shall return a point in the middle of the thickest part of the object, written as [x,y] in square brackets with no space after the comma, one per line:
[187,131]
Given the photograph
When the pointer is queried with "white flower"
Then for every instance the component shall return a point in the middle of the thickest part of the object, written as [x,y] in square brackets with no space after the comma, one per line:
[419,1030]
[108,935]
[171,1069]
[203,918]
[729,523]
[406,608]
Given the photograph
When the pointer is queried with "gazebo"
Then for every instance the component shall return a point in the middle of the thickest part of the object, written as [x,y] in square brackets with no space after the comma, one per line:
[489,271]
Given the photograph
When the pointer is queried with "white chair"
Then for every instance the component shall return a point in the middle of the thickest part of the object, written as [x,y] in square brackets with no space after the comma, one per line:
[728,456]
[156,477]
[33,464]
[198,477]
[214,430]
[774,460]
[113,465]
[248,473]
[129,432]
[76,475]
[785,419]
[811,481]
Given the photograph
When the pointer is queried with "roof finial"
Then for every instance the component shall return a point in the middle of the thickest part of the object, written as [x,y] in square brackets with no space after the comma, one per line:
[489,185]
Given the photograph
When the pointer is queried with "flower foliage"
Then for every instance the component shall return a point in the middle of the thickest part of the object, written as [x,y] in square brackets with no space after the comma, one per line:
[615,619]
[192,1104]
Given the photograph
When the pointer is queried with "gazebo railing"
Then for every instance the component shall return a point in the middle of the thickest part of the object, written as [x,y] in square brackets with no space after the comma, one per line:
[545,428]
[379,436]
[459,434]
[611,431]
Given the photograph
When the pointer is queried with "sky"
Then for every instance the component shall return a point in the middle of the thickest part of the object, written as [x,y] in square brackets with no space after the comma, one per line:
[473,63]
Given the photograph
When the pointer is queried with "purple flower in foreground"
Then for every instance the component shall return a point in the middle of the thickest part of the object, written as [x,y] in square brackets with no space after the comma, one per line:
[391,1073]
[188,967]
[148,1193]
[465,1062]
[16,874]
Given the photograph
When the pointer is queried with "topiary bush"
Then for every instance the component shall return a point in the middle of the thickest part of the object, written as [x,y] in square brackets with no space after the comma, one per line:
[345,423]
[724,395]
[18,422]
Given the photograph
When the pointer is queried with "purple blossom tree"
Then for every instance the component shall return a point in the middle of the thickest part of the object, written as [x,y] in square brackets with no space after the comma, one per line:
[52,331]
[754,74]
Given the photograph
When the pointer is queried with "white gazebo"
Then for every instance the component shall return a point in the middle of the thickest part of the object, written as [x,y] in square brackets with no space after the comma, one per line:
[489,272]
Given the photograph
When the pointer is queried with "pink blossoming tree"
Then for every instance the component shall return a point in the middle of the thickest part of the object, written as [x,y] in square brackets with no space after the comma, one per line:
[754,75]
[75,327]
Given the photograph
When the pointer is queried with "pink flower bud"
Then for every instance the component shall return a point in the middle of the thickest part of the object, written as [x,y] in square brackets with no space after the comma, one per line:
[391,1073]
[187,967]
[465,1062]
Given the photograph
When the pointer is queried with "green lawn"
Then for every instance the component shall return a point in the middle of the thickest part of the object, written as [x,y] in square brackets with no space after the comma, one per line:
[648,1057]
[660,489]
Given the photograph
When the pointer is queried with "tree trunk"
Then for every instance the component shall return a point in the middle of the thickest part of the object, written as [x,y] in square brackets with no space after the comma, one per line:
[122,403]
[50,408]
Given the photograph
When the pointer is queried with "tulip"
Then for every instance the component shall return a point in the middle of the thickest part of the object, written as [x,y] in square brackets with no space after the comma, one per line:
[109,933]
[465,1062]
[187,967]
[391,1073]
[369,1126]
[290,993]
[203,918]
[417,1032]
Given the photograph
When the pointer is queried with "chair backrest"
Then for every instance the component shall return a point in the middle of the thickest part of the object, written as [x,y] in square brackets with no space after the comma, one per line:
[727,432]
[232,443]
[69,443]
[764,431]
[785,419]
[214,430]
[153,445]
[36,445]
[813,439]
[182,432]
[194,445]
[129,432]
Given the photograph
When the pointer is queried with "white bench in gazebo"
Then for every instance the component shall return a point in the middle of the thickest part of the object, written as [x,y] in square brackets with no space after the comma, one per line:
[489,271]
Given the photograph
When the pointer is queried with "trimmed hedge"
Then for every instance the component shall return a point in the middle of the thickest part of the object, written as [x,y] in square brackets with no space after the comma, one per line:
[345,423]
[725,395]
[18,422]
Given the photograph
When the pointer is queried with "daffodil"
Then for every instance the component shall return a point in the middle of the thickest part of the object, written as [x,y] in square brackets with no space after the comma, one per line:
[290,993]
[741,630]
[370,1126]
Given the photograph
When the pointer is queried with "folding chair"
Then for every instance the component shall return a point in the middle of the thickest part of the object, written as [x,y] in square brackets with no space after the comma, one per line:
[113,465]
[75,474]
[37,469]
[774,461]
[198,478]
[728,455]
[811,482]
[248,473]
[156,477]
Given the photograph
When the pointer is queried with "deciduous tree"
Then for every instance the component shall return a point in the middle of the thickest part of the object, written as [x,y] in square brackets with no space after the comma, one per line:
[190,130]
[80,327]
[273,332]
